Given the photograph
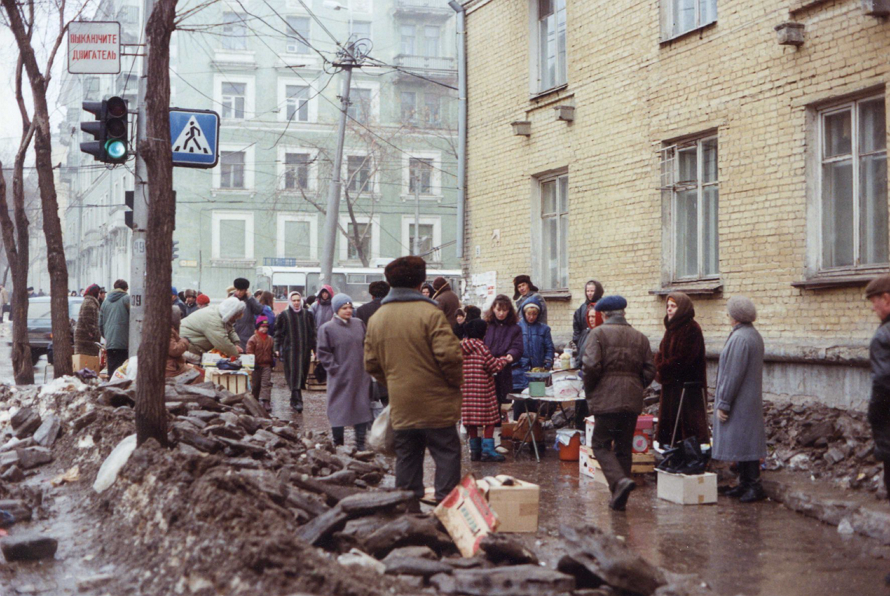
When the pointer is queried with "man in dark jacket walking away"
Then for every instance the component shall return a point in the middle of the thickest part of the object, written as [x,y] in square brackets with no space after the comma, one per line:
[878,291]
[447,300]
[378,291]
[618,366]
[246,325]
[114,322]
[593,291]
[411,349]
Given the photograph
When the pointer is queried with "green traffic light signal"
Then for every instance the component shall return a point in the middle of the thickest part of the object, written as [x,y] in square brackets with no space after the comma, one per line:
[109,130]
[116,149]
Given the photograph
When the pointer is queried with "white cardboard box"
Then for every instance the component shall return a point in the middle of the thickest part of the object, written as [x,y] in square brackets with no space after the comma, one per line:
[698,489]
[516,505]
[588,466]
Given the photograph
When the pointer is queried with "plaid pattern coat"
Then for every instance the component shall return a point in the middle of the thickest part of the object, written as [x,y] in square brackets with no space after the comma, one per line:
[480,401]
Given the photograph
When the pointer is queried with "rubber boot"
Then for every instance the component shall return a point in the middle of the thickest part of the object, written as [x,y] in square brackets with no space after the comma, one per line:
[475,449]
[296,400]
[488,452]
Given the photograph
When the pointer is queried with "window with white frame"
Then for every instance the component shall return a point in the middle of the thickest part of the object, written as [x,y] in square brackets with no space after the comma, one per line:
[430,41]
[420,175]
[681,16]
[408,103]
[296,239]
[360,29]
[429,238]
[424,240]
[298,35]
[296,171]
[234,34]
[297,103]
[554,226]
[362,232]
[233,99]
[407,33]
[853,184]
[690,186]
[551,44]
[232,235]
[360,105]
[231,169]
[359,174]
[431,103]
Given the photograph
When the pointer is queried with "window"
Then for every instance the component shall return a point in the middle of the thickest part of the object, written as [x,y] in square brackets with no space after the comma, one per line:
[431,41]
[231,173]
[296,171]
[358,174]
[233,95]
[297,103]
[296,239]
[297,35]
[425,241]
[551,43]
[431,109]
[409,105]
[420,172]
[554,264]
[234,35]
[681,16]
[853,183]
[407,32]
[690,185]
[364,231]
[361,29]
[360,105]
[232,235]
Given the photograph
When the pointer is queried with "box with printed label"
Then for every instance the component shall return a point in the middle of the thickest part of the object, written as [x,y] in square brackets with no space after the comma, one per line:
[467,516]
[696,489]
[515,502]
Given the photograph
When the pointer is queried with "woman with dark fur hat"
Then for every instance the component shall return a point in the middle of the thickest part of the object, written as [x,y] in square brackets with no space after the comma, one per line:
[523,290]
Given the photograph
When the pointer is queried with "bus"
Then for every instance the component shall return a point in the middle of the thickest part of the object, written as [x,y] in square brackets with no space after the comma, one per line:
[282,276]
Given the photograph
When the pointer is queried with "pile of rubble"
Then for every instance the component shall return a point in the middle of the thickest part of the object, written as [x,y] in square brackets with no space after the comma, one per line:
[826,442]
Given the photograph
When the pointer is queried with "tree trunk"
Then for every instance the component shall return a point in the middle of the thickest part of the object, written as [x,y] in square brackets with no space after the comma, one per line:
[151,414]
[52,226]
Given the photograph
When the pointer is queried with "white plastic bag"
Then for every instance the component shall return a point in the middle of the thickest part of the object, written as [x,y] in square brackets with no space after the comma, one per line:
[382,437]
[568,386]
[116,460]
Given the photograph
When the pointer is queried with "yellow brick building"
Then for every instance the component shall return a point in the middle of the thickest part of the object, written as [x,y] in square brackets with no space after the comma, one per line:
[695,145]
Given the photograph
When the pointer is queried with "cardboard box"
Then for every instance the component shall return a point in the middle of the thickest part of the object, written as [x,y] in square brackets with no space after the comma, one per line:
[234,382]
[516,505]
[467,516]
[82,361]
[698,489]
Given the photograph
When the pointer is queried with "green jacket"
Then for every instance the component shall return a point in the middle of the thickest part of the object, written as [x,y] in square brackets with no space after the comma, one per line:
[205,331]
[114,320]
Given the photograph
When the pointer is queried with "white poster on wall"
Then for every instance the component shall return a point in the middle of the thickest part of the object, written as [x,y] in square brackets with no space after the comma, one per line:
[481,289]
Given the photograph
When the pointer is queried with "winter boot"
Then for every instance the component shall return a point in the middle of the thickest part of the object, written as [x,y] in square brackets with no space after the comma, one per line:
[753,494]
[489,453]
[622,491]
[475,449]
[296,400]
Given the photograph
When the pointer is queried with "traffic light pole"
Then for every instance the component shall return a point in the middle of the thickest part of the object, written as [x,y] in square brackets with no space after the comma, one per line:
[140,205]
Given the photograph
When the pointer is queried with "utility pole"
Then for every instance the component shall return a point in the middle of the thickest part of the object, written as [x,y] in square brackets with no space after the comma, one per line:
[140,203]
[416,247]
[347,62]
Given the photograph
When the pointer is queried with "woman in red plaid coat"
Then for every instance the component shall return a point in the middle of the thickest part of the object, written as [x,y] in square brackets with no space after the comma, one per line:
[480,401]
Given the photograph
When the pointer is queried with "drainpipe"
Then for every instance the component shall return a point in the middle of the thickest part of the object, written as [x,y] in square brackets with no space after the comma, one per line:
[461,125]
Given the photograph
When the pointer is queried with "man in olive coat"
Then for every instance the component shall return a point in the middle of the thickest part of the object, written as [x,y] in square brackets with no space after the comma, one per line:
[411,349]
[878,292]
[617,366]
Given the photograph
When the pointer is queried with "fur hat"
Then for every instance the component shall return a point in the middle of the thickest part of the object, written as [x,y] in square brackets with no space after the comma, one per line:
[202,299]
[378,289]
[610,303]
[406,272]
[473,312]
[241,284]
[191,293]
[877,286]
[339,301]
[475,329]
[519,279]
[741,309]
[439,283]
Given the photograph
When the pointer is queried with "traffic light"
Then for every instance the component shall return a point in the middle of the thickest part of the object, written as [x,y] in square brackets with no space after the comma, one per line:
[110,130]
[175,254]
[129,200]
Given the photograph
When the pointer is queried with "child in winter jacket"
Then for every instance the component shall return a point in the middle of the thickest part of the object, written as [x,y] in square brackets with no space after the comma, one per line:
[480,401]
[261,346]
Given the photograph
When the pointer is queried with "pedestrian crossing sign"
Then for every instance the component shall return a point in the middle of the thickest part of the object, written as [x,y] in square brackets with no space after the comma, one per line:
[195,138]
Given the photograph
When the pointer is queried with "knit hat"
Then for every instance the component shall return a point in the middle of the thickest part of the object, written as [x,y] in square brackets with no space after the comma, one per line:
[610,303]
[202,299]
[378,289]
[173,291]
[229,308]
[406,272]
[741,309]
[475,329]
[339,301]
[522,279]
[262,320]
[439,282]
[877,286]
[241,283]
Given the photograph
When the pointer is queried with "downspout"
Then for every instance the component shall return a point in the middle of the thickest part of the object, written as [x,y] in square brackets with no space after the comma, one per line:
[461,125]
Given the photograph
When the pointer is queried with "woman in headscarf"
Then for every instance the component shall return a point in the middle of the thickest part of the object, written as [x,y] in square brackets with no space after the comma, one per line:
[341,349]
[427,290]
[322,307]
[86,332]
[294,341]
[214,328]
[680,363]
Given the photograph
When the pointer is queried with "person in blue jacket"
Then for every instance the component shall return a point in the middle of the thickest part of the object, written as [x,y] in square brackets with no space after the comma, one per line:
[537,348]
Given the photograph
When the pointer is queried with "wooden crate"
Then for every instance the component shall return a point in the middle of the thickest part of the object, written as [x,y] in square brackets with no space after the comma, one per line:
[643,463]
[234,382]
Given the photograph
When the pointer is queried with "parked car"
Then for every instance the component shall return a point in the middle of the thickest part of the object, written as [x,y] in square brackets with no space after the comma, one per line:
[40,323]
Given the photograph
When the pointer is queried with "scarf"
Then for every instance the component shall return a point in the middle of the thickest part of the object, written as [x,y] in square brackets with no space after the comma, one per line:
[291,304]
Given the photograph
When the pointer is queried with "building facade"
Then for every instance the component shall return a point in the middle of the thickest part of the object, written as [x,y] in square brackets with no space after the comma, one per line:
[267,70]
[710,147]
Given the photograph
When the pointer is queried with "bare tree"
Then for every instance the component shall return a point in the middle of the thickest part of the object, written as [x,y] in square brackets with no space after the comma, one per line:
[19,15]
[151,415]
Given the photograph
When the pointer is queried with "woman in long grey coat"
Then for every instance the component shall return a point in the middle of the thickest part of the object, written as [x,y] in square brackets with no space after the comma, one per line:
[739,433]
[341,350]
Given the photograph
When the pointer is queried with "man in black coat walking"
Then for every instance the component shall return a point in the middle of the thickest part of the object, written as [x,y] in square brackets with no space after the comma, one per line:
[878,291]
[378,291]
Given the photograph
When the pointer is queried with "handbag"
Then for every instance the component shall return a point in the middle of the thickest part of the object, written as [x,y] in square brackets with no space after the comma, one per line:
[382,437]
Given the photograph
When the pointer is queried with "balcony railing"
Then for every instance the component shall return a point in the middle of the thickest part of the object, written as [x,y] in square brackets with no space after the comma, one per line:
[431,67]
[426,8]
